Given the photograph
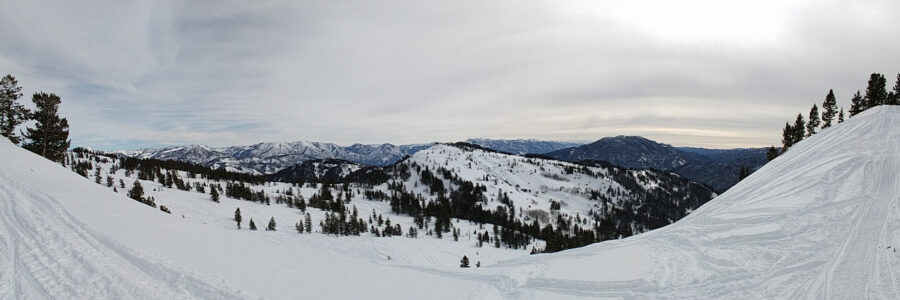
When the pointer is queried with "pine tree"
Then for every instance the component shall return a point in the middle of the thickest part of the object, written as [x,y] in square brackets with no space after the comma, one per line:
[813,121]
[772,153]
[464,262]
[875,91]
[841,116]
[214,194]
[50,135]
[308,223]
[743,173]
[12,113]
[237,217]
[895,92]
[787,137]
[829,109]
[137,191]
[857,104]
[799,129]
[252,225]
[271,226]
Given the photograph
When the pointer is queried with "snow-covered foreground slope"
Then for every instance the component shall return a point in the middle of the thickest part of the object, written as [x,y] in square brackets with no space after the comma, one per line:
[819,222]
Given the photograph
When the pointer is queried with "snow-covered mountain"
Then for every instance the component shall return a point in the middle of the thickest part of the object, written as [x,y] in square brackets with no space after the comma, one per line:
[267,158]
[718,168]
[522,146]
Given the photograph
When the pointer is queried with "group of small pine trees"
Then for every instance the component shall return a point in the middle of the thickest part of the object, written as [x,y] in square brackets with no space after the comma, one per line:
[237,218]
[50,135]
[876,94]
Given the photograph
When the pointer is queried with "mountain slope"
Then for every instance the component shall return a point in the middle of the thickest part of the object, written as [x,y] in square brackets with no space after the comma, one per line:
[629,152]
[717,168]
[817,222]
[528,146]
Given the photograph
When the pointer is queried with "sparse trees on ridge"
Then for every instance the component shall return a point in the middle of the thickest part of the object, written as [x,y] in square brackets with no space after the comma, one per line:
[876,94]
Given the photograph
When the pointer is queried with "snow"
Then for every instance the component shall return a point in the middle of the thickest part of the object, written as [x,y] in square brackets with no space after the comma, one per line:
[818,222]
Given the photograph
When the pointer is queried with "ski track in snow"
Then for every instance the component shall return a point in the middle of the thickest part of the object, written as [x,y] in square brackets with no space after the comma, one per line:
[79,263]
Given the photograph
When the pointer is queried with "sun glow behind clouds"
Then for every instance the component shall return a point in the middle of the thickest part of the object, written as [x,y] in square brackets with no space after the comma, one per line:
[694,21]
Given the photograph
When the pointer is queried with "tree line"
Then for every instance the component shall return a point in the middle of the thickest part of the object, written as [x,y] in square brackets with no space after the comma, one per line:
[876,94]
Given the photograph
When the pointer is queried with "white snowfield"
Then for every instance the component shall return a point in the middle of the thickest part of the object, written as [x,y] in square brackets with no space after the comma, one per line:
[821,221]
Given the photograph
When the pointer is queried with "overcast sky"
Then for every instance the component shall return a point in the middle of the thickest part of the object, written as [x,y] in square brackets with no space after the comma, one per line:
[134,74]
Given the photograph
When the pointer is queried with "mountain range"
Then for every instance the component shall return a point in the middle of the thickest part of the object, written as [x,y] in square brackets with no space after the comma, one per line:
[267,158]
[717,168]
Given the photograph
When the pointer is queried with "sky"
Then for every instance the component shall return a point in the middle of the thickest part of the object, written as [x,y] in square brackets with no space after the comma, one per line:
[718,74]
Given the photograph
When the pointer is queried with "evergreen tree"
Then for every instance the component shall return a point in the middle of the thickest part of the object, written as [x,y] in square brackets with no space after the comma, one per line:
[464,262]
[857,104]
[137,191]
[237,217]
[875,91]
[743,173]
[12,113]
[50,135]
[813,121]
[799,129]
[214,194]
[787,137]
[772,153]
[271,226]
[252,225]
[896,92]
[829,109]
[841,116]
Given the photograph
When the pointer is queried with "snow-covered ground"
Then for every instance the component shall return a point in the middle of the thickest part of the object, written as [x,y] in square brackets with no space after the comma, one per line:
[818,222]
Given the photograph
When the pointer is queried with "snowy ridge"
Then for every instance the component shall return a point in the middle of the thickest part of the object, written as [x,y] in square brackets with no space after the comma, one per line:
[818,223]
[533,184]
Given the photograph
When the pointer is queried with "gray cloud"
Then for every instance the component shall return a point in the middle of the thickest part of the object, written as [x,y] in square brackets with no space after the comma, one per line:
[701,73]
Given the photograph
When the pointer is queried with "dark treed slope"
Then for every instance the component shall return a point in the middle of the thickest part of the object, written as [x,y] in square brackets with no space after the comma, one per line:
[716,168]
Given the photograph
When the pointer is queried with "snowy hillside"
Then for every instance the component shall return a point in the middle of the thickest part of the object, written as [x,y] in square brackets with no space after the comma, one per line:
[267,158]
[819,222]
